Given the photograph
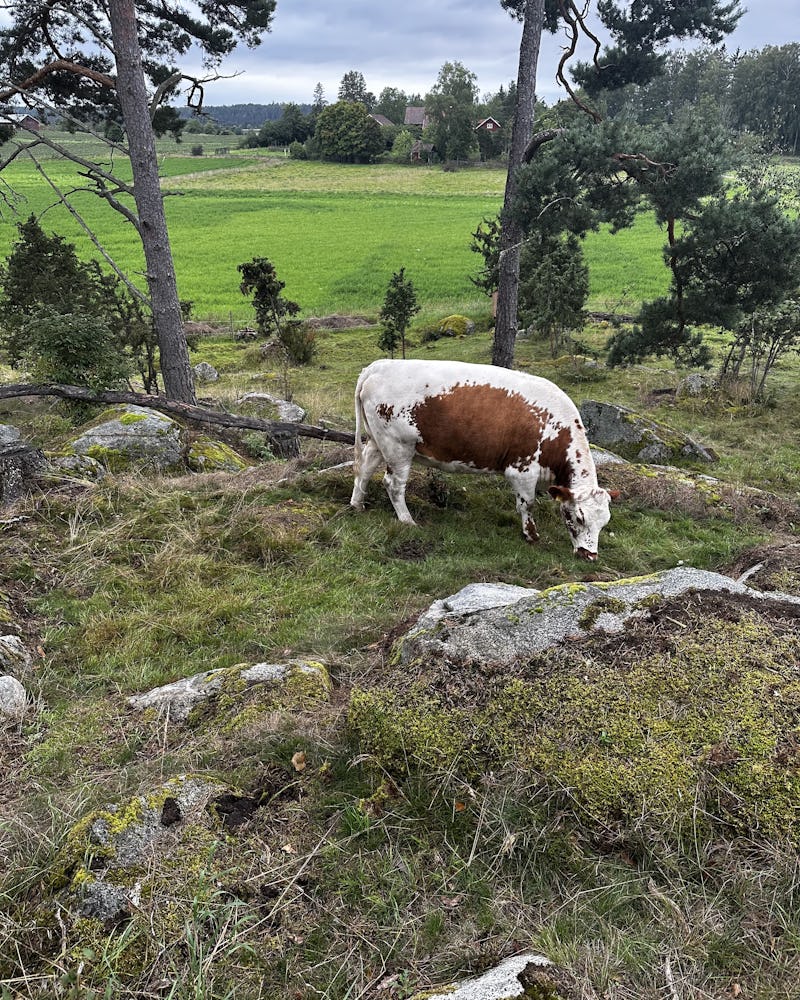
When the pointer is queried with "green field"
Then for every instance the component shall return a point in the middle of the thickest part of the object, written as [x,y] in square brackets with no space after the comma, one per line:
[335,232]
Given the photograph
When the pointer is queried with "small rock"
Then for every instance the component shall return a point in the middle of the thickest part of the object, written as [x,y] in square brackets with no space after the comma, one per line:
[177,700]
[14,657]
[9,434]
[204,372]
[285,410]
[13,699]
[79,466]
[500,983]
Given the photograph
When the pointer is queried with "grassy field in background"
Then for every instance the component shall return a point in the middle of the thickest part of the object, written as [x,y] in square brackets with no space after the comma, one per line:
[335,232]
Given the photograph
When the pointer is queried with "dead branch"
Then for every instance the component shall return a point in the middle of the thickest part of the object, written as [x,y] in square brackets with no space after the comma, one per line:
[186,411]
[539,140]
[64,200]
[56,66]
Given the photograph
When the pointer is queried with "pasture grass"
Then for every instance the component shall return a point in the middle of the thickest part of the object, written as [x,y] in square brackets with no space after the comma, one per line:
[335,232]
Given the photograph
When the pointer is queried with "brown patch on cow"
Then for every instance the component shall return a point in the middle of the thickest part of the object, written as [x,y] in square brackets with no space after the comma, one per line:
[555,457]
[385,411]
[530,532]
[480,425]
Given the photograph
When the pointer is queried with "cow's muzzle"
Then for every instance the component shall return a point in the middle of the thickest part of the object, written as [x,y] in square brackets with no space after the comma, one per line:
[586,554]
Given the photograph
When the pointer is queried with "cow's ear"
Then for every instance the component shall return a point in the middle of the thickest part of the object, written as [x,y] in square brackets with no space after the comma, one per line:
[614,494]
[562,493]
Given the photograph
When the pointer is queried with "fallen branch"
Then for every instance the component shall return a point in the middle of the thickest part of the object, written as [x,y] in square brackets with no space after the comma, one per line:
[193,414]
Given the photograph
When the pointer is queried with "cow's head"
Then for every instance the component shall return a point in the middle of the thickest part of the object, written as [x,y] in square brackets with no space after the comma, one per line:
[585,514]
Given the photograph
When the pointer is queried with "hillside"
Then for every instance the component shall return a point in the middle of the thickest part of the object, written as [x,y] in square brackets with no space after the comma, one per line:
[334,813]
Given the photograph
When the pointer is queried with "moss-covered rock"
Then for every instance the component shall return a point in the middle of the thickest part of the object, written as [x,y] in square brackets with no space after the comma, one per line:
[132,437]
[688,724]
[638,438]
[208,455]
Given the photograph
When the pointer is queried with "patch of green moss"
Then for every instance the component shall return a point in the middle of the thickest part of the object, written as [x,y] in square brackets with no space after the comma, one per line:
[701,732]
[207,455]
[603,605]
[113,459]
[132,418]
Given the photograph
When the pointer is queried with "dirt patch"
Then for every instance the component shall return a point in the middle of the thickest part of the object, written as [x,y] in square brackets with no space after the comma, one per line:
[338,322]
[773,566]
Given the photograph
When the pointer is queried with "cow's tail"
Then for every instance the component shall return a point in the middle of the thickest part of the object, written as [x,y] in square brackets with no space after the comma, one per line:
[361,424]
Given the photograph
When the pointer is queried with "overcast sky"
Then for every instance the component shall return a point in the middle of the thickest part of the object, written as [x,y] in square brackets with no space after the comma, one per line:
[405,45]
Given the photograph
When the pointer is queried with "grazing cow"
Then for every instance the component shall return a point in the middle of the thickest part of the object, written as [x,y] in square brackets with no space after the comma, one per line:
[478,418]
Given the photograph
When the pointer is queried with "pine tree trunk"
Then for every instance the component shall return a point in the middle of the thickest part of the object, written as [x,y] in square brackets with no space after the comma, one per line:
[505,330]
[132,93]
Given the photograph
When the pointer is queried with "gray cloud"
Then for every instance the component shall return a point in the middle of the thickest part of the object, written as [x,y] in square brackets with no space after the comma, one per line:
[405,44]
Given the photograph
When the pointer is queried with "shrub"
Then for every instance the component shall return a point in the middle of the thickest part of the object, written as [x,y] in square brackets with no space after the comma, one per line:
[297,151]
[197,150]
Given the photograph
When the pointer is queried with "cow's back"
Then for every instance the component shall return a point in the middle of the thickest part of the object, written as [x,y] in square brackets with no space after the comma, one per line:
[453,413]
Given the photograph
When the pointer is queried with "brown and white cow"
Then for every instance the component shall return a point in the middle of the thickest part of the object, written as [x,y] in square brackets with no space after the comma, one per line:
[478,418]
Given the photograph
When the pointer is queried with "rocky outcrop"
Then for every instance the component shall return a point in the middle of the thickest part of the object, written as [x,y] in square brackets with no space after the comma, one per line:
[638,438]
[296,682]
[502,629]
[135,437]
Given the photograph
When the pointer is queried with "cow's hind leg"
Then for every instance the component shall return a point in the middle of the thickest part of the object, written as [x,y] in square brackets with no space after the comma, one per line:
[524,487]
[395,480]
[366,464]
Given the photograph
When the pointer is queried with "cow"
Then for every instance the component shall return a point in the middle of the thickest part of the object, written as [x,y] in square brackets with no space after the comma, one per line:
[478,418]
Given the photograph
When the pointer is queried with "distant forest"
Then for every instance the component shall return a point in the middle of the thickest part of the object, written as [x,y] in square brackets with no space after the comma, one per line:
[753,92]
[241,115]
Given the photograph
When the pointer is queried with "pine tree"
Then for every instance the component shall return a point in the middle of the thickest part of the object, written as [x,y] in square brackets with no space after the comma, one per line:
[399,306]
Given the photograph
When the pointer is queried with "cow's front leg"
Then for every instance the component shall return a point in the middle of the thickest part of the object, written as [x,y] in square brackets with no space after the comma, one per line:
[395,480]
[524,487]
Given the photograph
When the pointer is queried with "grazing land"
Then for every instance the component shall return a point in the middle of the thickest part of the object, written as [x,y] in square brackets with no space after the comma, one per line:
[358,853]
[335,232]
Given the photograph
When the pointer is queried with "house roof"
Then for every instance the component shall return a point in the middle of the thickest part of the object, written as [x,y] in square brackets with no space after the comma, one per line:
[19,118]
[381,119]
[490,124]
[415,116]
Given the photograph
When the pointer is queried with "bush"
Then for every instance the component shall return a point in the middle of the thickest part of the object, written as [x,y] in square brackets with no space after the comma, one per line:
[297,151]
[300,342]
[197,150]
[450,326]
[73,349]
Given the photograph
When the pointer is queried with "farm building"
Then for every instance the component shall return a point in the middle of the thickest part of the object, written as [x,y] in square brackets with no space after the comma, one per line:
[25,121]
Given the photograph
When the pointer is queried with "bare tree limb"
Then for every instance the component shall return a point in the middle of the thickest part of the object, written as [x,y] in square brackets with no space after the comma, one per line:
[62,197]
[539,140]
[57,66]
[194,414]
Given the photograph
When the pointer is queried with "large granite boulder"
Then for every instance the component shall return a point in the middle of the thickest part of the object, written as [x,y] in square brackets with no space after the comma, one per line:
[136,437]
[640,699]
[517,622]
[20,466]
[638,438]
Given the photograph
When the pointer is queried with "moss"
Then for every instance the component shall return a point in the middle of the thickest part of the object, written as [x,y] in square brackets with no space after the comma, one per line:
[207,455]
[113,459]
[239,703]
[603,605]
[698,729]
[132,418]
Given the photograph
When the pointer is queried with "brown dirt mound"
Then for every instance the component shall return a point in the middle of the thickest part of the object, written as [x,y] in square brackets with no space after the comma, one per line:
[338,322]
